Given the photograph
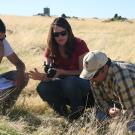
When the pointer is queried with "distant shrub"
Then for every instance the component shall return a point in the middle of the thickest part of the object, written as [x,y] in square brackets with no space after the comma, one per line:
[74,17]
[64,16]
[117,18]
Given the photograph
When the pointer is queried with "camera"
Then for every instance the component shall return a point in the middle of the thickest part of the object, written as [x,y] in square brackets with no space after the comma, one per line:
[49,70]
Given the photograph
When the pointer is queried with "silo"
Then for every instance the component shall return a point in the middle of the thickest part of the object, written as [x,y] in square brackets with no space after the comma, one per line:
[47,11]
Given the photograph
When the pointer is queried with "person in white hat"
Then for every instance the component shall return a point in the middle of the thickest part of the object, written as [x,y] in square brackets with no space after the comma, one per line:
[113,85]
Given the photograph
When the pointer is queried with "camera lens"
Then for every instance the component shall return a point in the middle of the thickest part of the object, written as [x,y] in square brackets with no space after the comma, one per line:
[46,67]
[51,72]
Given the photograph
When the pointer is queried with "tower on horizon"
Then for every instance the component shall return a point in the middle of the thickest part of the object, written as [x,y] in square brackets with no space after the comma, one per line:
[46,11]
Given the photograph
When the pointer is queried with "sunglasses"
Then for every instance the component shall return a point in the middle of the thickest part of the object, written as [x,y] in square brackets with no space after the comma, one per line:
[97,73]
[1,39]
[62,33]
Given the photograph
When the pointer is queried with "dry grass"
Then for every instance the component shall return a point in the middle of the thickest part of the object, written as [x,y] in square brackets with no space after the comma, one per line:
[27,36]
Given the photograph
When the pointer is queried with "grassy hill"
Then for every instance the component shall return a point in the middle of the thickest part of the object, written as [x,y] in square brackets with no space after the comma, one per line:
[27,36]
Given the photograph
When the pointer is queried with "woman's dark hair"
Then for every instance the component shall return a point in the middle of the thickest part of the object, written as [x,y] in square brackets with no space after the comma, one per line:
[108,62]
[2,27]
[52,44]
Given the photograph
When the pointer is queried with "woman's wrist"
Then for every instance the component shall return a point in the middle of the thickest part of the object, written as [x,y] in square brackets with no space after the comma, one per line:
[42,77]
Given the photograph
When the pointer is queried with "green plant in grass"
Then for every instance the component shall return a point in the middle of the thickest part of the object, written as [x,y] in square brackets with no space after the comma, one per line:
[6,130]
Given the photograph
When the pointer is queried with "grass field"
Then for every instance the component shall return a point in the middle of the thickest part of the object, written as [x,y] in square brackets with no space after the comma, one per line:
[27,35]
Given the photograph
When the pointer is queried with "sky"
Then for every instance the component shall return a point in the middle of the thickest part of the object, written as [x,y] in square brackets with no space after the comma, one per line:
[77,8]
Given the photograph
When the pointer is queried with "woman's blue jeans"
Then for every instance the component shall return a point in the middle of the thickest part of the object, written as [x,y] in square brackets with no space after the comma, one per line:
[72,91]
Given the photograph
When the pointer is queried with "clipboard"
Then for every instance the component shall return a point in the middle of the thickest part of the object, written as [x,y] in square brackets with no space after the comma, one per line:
[5,83]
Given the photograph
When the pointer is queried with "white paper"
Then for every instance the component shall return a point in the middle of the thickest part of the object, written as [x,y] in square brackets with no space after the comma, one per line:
[5,84]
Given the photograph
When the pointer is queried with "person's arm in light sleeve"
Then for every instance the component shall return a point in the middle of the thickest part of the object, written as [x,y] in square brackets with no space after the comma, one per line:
[1,51]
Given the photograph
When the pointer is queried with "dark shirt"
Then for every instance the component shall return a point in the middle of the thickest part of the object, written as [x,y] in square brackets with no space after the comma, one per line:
[73,62]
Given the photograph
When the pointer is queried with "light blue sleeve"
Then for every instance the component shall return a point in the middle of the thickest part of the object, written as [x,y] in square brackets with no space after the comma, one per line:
[7,49]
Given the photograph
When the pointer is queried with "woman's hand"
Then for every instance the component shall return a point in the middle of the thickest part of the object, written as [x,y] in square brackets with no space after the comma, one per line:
[36,75]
